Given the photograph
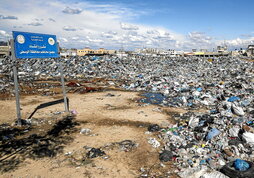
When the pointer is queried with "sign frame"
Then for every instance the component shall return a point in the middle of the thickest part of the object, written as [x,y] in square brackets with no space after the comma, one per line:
[35,45]
[15,48]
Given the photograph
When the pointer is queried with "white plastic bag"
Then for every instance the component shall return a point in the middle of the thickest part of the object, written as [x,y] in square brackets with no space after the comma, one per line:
[214,174]
[237,110]
[249,137]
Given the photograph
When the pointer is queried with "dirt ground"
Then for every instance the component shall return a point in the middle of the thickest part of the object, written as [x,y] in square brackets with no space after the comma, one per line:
[112,117]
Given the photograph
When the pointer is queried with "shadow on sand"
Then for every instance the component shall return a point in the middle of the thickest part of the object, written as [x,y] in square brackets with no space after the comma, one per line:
[14,151]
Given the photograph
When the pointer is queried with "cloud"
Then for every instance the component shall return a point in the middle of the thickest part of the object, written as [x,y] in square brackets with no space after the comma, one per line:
[69,10]
[109,25]
[51,20]
[63,39]
[38,20]
[75,38]
[125,26]
[35,24]
[17,26]
[3,33]
[10,17]
[109,34]
[199,37]
[69,28]
[238,42]
[4,36]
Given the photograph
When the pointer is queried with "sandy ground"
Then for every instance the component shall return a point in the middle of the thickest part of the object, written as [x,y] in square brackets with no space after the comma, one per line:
[112,118]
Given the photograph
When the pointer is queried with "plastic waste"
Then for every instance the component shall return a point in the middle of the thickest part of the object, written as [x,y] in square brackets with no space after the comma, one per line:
[192,172]
[212,133]
[230,171]
[237,110]
[95,152]
[154,128]
[85,131]
[154,142]
[233,132]
[166,156]
[214,174]
[248,137]
[241,165]
[233,98]
[194,122]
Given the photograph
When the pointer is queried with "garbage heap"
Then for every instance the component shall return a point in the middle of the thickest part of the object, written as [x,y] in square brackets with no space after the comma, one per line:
[203,143]
[223,86]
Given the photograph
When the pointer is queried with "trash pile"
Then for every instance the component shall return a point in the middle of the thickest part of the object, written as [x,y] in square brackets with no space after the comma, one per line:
[223,86]
[183,80]
[209,142]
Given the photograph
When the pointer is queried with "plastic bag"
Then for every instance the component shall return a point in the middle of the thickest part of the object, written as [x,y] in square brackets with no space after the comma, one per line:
[214,174]
[214,132]
[248,137]
[237,110]
[241,165]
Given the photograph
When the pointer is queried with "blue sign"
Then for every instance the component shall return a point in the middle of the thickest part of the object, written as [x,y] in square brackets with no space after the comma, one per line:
[35,45]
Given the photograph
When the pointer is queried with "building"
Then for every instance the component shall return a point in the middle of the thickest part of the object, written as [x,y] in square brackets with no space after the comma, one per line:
[4,51]
[158,52]
[68,52]
[85,51]
[221,49]
[100,51]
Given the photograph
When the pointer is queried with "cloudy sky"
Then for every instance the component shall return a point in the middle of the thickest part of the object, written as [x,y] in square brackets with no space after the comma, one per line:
[130,24]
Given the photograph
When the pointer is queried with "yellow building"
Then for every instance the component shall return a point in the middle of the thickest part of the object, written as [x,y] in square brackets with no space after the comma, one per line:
[4,51]
[101,51]
[83,52]
[88,51]
[111,51]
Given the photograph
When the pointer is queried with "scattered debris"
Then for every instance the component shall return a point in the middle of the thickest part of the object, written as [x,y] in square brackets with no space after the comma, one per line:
[154,142]
[85,131]
[154,128]
[95,152]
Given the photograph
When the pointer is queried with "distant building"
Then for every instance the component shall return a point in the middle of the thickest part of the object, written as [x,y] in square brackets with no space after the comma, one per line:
[4,51]
[100,51]
[203,50]
[85,51]
[221,49]
[157,52]
[68,52]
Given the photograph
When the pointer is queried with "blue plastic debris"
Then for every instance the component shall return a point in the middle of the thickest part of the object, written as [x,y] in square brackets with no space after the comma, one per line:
[202,162]
[233,98]
[241,165]
[214,111]
[140,76]
[250,123]
[190,162]
[213,132]
[199,89]
[95,58]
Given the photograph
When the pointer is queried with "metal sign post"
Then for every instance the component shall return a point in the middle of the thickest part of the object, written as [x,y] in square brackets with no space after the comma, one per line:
[66,105]
[63,87]
[16,84]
